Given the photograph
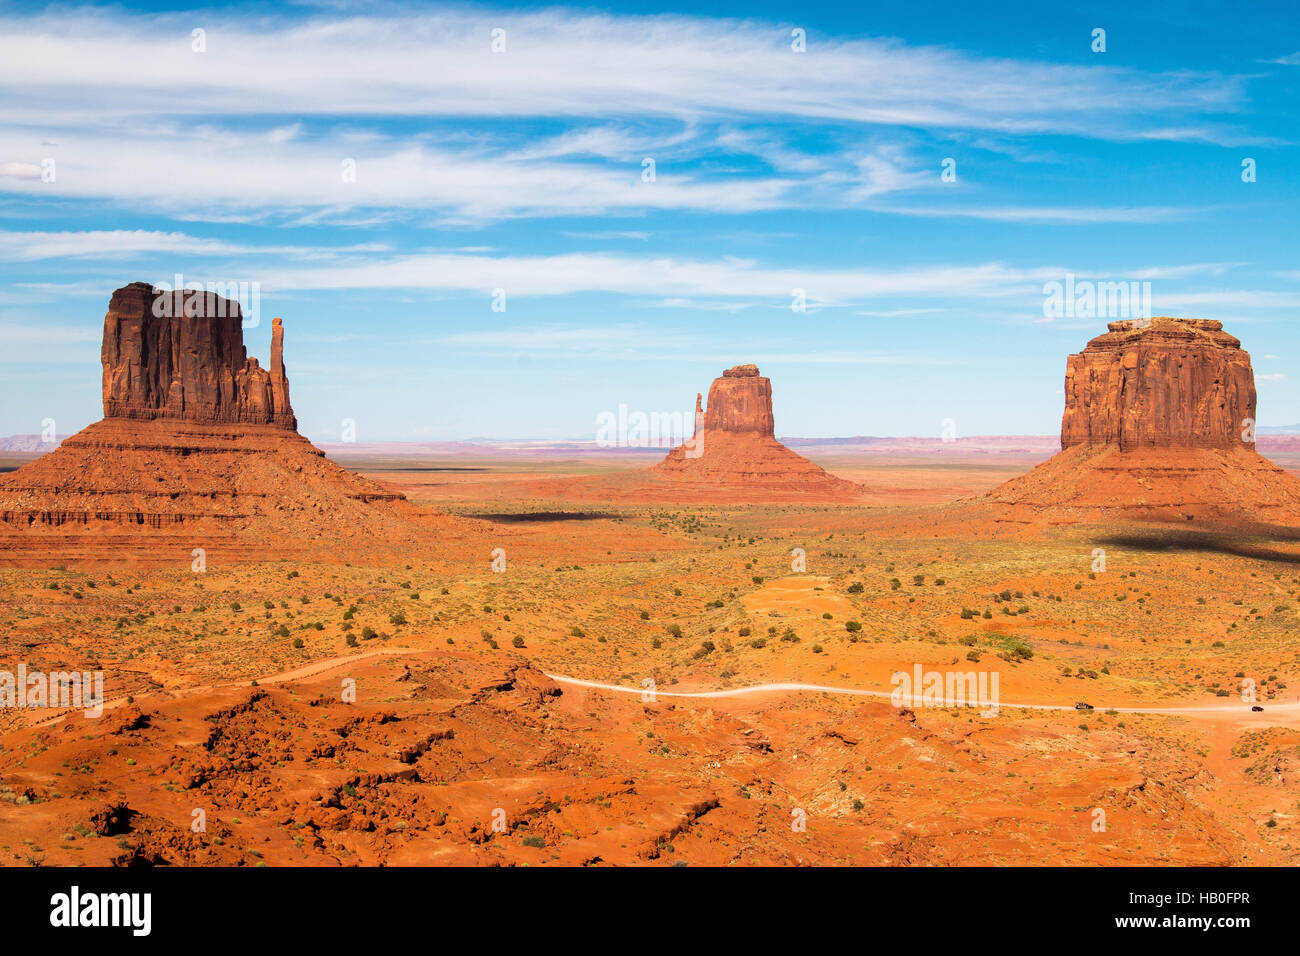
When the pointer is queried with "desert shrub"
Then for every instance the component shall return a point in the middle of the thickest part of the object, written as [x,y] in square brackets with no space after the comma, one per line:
[517,642]
[855,588]
[852,626]
[397,619]
[674,629]
[297,643]
[576,631]
[1017,650]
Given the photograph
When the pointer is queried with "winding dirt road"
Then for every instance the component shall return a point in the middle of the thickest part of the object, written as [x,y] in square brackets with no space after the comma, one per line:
[1239,710]
[912,699]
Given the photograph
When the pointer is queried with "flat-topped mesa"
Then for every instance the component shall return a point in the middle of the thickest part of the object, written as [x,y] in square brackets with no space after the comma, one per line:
[180,355]
[740,401]
[1160,383]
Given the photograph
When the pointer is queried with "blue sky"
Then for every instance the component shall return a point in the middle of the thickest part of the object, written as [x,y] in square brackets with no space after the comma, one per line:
[525,170]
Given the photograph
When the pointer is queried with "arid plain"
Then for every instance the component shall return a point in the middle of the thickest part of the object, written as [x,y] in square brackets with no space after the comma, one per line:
[415,695]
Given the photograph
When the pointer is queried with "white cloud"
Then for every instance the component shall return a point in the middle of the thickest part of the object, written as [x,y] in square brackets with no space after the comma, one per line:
[1061,215]
[679,280]
[20,170]
[1187,303]
[13,335]
[215,174]
[118,243]
[95,65]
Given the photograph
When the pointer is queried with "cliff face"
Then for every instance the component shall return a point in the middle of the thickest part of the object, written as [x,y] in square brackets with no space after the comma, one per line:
[740,401]
[1169,383]
[181,356]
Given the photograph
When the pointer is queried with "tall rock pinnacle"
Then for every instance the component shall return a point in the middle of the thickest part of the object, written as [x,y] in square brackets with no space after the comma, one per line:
[282,410]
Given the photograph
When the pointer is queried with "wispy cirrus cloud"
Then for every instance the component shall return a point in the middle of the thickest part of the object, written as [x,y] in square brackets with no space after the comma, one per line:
[701,96]
[124,243]
[694,283]
[92,64]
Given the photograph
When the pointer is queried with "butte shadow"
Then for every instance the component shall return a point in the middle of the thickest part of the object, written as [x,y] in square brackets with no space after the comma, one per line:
[198,448]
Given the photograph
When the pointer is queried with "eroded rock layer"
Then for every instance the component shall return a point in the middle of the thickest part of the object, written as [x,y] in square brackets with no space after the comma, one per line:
[180,355]
[1160,383]
[740,401]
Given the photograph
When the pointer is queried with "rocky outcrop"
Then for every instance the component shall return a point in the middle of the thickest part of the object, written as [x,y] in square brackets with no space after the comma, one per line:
[1155,429]
[734,455]
[740,401]
[198,448]
[180,356]
[1160,383]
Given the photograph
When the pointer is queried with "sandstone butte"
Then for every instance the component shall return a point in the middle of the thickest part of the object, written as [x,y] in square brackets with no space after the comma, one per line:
[1158,425]
[734,449]
[198,446]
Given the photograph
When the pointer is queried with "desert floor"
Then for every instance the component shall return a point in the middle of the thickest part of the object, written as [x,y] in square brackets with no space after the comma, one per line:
[227,689]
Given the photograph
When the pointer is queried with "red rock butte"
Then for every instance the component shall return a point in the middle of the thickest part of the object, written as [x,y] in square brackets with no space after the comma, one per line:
[1158,425]
[734,449]
[1160,383]
[181,356]
[198,446]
